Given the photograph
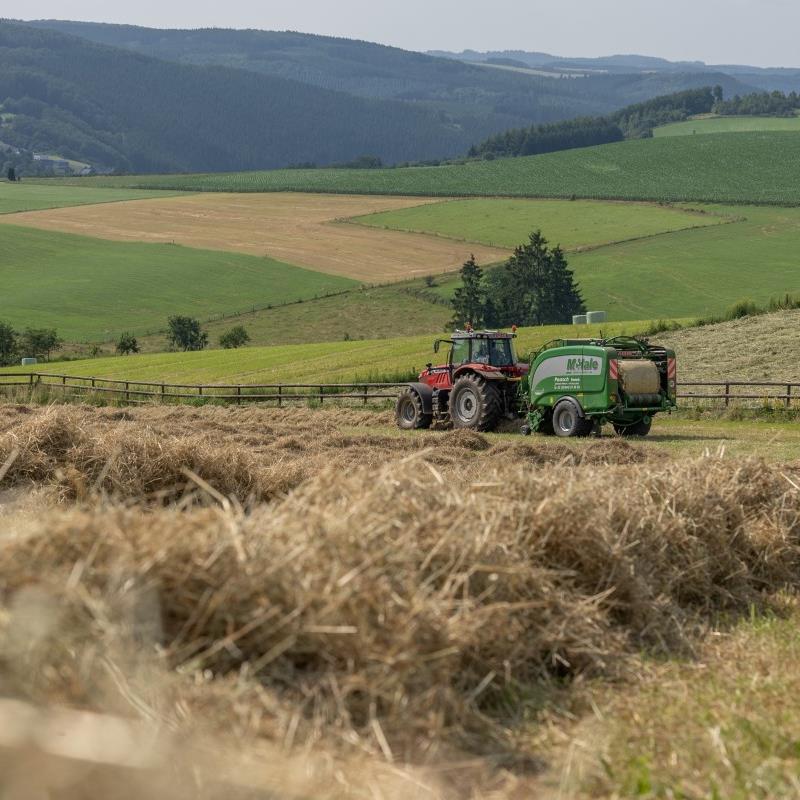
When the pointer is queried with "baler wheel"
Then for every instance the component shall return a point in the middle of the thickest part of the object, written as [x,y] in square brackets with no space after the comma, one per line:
[567,421]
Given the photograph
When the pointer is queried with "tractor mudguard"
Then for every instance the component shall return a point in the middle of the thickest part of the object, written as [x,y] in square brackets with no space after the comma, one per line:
[486,374]
[425,394]
[571,401]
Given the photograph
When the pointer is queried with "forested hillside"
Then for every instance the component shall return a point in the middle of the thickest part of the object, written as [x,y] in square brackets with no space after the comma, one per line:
[125,111]
[472,98]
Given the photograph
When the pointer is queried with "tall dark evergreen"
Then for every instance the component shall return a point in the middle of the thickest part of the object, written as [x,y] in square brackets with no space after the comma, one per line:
[468,299]
[535,286]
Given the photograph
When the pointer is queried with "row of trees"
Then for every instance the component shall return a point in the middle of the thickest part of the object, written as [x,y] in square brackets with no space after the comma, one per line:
[771,104]
[632,122]
[534,287]
[30,343]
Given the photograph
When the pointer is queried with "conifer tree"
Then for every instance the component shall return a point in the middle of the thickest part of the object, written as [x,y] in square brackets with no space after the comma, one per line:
[468,299]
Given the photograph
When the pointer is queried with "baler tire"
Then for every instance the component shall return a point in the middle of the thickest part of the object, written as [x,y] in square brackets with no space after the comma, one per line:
[409,412]
[567,421]
[470,391]
[640,428]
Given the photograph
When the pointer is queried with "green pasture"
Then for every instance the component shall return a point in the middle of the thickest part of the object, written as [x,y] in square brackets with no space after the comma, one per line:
[762,167]
[91,289]
[502,222]
[705,125]
[304,363]
[696,272]
[36,196]
[364,313]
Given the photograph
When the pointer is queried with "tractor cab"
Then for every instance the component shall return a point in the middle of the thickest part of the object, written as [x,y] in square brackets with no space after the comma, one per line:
[481,351]
[477,385]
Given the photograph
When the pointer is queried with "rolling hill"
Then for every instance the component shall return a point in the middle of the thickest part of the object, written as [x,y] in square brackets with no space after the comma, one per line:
[122,110]
[470,96]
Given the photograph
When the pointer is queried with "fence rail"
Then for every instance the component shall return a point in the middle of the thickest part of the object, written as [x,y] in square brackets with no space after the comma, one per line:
[132,391]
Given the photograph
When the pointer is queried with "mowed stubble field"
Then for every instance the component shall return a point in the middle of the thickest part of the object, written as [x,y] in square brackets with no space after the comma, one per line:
[299,229]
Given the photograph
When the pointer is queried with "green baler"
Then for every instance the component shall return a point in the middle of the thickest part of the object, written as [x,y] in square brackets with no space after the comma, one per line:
[576,385]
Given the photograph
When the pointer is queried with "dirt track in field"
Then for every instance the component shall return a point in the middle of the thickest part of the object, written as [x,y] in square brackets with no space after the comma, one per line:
[300,229]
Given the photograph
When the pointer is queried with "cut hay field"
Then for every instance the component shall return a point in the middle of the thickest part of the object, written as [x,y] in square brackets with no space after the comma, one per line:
[580,224]
[90,289]
[753,348]
[15,197]
[264,603]
[298,229]
[750,168]
[705,125]
[304,363]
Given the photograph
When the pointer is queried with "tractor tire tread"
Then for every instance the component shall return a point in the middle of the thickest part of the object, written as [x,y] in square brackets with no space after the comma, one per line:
[491,404]
[420,421]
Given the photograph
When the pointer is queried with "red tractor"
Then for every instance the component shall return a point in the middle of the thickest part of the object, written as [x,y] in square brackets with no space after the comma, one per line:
[477,386]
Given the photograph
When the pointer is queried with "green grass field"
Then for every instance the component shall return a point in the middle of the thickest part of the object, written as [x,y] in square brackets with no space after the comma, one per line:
[697,272]
[705,125]
[573,225]
[91,289]
[680,273]
[326,361]
[383,311]
[750,167]
[35,196]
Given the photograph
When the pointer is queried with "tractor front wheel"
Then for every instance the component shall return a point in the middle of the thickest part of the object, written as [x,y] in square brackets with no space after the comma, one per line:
[567,421]
[475,404]
[410,413]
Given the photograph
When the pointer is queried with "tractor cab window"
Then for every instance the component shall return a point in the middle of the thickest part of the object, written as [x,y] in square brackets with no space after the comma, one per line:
[501,353]
[460,352]
[480,351]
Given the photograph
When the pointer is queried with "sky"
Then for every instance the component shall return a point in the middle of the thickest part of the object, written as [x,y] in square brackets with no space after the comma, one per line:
[758,32]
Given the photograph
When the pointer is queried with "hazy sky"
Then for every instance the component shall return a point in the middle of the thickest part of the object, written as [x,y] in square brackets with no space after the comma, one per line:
[761,32]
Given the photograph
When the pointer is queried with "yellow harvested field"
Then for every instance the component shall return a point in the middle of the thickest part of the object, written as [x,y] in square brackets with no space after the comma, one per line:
[307,230]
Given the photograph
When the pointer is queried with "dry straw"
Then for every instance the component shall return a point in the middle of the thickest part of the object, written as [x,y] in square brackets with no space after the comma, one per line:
[400,608]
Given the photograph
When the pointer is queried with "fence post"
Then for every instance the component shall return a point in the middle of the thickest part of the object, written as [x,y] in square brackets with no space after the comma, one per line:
[788,394]
[280,398]
[163,391]
[127,392]
[727,394]
[366,388]
[320,395]
[238,395]
[199,391]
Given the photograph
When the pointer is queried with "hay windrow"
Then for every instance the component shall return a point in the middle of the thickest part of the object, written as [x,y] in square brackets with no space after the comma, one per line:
[252,454]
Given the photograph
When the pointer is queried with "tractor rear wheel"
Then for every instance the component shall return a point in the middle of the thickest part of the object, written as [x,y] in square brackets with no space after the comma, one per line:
[475,404]
[567,421]
[640,428]
[410,413]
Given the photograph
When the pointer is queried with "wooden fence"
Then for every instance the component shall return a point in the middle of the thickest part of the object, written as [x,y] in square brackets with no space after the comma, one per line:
[130,391]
